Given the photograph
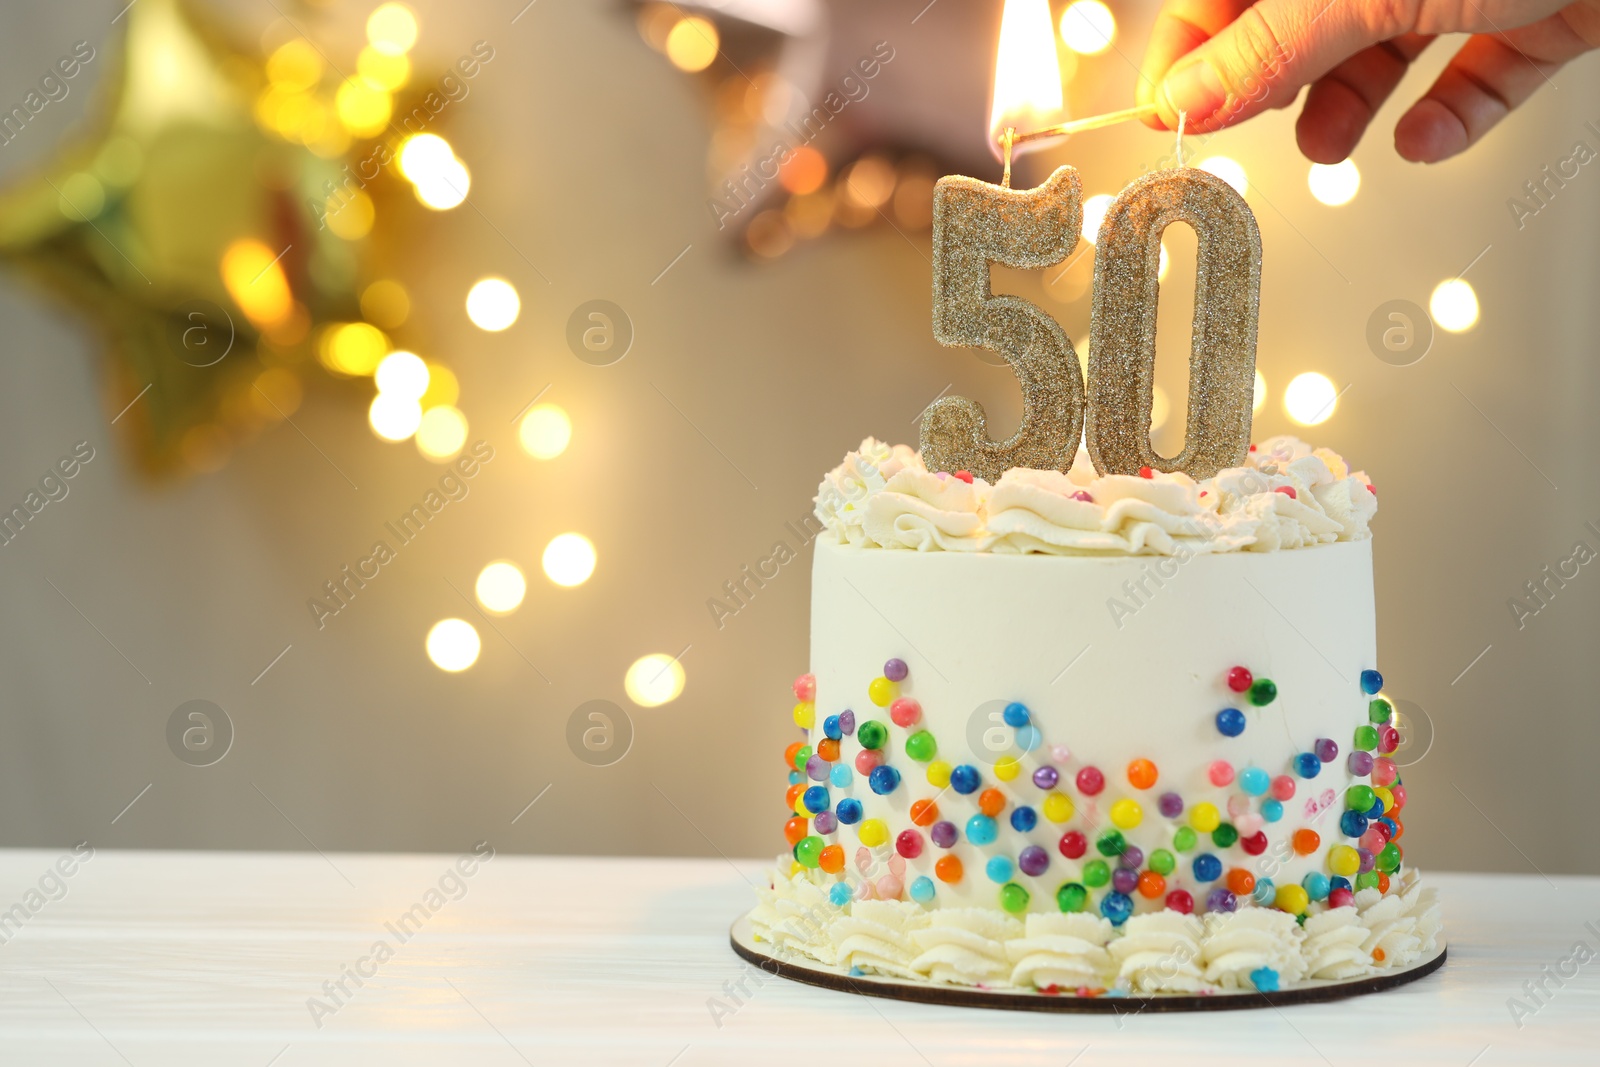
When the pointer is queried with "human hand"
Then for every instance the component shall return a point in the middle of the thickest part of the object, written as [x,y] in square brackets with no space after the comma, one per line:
[1222,61]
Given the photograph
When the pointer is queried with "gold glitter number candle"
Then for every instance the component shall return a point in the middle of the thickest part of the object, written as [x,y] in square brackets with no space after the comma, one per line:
[976,224]
[1122,330]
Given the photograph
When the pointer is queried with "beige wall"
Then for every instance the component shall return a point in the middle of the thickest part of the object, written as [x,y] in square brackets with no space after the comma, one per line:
[588,154]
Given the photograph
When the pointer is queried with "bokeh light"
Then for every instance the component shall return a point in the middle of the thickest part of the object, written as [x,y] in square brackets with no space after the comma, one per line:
[1334,184]
[294,66]
[501,587]
[569,559]
[394,418]
[493,305]
[810,215]
[82,197]
[1310,398]
[1259,399]
[446,188]
[804,171]
[350,214]
[441,433]
[253,275]
[403,374]
[424,155]
[654,21]
[363,107]
[276,393]
[913,199]
[443,386]
[439,179]
[545,431]
[869,181]
[453,645]
[1094,213]
[692,44]
[1229,170]
[769,235]
[392,29]
[1454,305]
[386,303]
[654,680]
[353,348]
[1088,27]
[383,69]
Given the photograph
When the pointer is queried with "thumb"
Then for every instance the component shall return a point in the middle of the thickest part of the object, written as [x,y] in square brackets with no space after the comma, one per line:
[1262,59]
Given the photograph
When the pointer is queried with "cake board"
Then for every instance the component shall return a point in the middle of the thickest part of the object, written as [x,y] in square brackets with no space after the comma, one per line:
[1311,991]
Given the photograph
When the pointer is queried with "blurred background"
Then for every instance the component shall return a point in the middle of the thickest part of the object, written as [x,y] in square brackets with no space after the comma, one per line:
[630,344]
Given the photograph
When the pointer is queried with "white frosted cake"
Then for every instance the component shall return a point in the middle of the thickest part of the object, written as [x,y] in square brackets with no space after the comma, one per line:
[1082,734]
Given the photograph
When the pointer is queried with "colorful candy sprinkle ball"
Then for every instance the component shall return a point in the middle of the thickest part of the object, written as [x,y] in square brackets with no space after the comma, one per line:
[1056,807]
[1126,814]
[881,691]
[872,734]
[904,711]
[1072,897]
[921,746]
[1014,898]
[1142,774]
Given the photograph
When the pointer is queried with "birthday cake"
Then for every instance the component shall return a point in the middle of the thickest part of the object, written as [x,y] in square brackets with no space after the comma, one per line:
[1079,734]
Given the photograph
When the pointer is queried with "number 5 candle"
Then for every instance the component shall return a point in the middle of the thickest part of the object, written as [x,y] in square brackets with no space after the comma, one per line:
[975,224]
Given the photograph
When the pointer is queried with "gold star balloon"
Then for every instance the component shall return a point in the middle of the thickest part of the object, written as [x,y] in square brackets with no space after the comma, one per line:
[214,227]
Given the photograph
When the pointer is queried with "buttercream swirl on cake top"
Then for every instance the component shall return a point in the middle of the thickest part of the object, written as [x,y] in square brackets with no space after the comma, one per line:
[1287,495]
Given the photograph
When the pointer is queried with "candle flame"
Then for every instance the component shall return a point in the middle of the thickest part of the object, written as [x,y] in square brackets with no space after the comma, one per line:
[1027,74]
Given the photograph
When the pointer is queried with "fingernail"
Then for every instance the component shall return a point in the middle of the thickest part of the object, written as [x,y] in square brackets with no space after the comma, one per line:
[1196,89]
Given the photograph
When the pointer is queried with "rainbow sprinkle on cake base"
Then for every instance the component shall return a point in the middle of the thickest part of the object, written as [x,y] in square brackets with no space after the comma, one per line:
[1083,734]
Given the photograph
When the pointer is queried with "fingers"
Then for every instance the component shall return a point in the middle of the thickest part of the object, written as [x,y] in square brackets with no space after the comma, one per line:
[1180,27]
[1491,75]
[1341,104]
[1262,58]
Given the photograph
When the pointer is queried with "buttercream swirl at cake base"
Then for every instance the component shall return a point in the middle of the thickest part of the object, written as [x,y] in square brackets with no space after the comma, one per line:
[1065,951]
[1287,495]
[1159,952]
[1239,944]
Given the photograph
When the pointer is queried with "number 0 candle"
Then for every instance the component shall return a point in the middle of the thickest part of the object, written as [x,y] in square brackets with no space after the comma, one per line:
[1122,330]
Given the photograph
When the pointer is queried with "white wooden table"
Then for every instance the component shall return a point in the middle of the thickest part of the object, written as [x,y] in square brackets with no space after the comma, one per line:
[211,958]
